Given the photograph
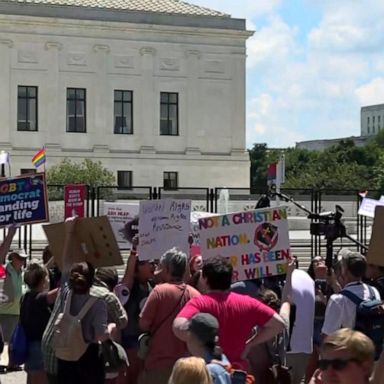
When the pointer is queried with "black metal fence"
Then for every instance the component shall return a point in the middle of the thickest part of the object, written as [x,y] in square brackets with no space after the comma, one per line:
[221,200]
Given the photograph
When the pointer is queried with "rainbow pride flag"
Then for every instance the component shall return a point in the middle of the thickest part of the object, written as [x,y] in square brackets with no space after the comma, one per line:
[39,158]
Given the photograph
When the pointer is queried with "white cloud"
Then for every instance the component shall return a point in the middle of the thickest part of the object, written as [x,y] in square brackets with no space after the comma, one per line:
[371,93]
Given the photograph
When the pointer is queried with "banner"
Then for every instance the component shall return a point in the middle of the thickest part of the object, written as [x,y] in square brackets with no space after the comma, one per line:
[23,200]
[74,200]
[256,242]
[120,216]
[163,224]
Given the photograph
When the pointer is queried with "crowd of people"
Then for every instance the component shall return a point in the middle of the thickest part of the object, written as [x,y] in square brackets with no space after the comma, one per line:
[180,320]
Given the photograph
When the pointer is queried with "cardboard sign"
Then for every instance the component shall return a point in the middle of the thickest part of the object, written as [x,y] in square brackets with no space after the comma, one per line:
[94,242]
[163,224]
[23,200]
[74,200]
[367,206]
[256,242]
[375,253]
[120,215]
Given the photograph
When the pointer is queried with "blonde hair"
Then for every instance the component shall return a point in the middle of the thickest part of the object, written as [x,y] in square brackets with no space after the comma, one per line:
[190,370]
[356,343]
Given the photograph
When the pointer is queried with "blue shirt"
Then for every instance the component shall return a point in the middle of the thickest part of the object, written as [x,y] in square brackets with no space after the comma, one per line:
[218,372]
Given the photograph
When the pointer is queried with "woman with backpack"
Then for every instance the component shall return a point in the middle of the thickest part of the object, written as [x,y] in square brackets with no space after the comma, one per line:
[35,311]
[77,347]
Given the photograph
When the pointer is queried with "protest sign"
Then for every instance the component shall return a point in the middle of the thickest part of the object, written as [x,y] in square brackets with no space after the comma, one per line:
[375,254]
[163,224]
[367,206]
[120,215]
[195,230]
[74,196]
[23,200]
[256,242]
[93,241]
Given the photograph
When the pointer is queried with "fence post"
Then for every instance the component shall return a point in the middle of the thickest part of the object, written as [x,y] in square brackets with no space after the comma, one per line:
[211,200]
[154,196]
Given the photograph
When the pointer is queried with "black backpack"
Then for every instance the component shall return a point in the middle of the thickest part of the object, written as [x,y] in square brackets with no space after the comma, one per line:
[369,317]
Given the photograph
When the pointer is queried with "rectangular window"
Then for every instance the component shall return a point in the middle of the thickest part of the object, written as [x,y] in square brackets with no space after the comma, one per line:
[26,108]
[124,179]
[170,180]
[123,112]
[169,114]
[76,110]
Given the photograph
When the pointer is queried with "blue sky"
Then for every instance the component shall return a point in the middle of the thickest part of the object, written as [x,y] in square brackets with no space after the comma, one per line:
[312,64]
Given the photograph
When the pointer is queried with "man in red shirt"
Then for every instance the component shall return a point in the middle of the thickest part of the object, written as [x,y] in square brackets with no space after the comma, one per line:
[237,314]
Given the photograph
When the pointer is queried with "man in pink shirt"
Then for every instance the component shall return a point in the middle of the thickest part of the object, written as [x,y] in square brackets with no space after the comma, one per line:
[237,314]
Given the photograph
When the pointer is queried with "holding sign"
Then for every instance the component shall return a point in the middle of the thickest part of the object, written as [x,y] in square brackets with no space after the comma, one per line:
[23,200]
[256,242]
[163,224]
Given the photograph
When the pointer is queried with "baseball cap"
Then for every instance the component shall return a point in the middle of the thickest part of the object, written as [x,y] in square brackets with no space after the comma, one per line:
[204,326]
[20,253]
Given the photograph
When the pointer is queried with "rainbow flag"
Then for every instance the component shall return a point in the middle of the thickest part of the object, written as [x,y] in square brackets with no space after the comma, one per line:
[39,158]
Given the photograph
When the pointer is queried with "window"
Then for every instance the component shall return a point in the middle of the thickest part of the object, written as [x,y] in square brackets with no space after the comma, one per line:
[368,130]
[123,113]
[169,114]
[76,110]
[124,179]
[26,108]
[27,171]
[170,180]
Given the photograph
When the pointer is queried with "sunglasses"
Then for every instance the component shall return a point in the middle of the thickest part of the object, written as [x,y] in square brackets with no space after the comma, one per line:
[336,364]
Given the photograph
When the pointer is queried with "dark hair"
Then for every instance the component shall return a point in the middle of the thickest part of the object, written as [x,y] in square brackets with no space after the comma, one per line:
[218,272]
[270,298]
[311,268]
[34,275]
[47,254]
[108,276]
[81,277]
[214,349]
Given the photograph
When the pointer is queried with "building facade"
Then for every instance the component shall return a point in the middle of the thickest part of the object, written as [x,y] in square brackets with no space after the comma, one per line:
[153,89]
[372,119]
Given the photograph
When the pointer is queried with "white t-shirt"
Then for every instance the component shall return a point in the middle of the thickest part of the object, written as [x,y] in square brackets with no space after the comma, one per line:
[303,296]
[341,311]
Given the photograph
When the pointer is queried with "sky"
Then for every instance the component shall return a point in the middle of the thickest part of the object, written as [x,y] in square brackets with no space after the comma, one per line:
[311,66]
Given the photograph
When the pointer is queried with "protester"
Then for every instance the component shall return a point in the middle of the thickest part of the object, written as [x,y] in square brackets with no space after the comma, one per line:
[230,309]
[375,275]
[195,268]
[138,280]
[190,370]
[160,309]
[346,357]
[35,311]
[53,270]
[89,368]
[202,341]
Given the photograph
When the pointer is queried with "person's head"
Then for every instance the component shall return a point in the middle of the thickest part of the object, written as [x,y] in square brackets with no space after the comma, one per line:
[317,269]
[190,370]
[18,258]
[269,297]
[108,276]
[81,277]
[143,270]
[353,266]
[374,272]
[346,356]
[203,331]
[195,264]
[173,265]
[217,273]
[36,277]
[47,254]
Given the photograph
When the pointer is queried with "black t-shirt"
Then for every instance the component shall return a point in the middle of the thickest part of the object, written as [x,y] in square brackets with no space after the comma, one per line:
[34,314]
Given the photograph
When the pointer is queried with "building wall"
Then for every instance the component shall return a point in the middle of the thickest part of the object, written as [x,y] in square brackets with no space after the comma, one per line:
[372,119]
[205,66]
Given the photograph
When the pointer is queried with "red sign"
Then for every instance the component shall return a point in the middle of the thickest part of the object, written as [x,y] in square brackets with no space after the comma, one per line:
[74,197]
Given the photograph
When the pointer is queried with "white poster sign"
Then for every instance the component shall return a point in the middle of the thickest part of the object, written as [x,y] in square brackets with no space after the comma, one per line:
[195,230]
[367,206]
[256,242]
[119,215]
[163,224]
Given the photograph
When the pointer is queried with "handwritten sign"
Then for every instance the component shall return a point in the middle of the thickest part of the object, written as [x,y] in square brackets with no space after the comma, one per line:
[23,200]
[74,197]
[120,215]
[368,206]
[256,242]
[163,224]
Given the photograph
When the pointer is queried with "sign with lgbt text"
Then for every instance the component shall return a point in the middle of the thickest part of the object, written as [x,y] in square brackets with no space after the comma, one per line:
[163,224]
[23,200]
[74,200]
[121,215]
[256,242]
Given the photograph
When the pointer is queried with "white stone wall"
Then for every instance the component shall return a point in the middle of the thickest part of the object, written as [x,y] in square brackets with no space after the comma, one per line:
[375,114]
[206,66]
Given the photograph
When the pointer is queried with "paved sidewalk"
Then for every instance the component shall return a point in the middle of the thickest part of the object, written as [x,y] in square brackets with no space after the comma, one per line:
[14,377]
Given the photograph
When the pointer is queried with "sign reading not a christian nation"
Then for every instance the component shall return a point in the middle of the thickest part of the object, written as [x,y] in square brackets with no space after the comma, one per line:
[23,200]
[256,242]
[163,224]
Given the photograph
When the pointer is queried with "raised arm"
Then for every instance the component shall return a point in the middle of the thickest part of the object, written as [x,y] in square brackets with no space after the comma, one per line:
[4,247]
